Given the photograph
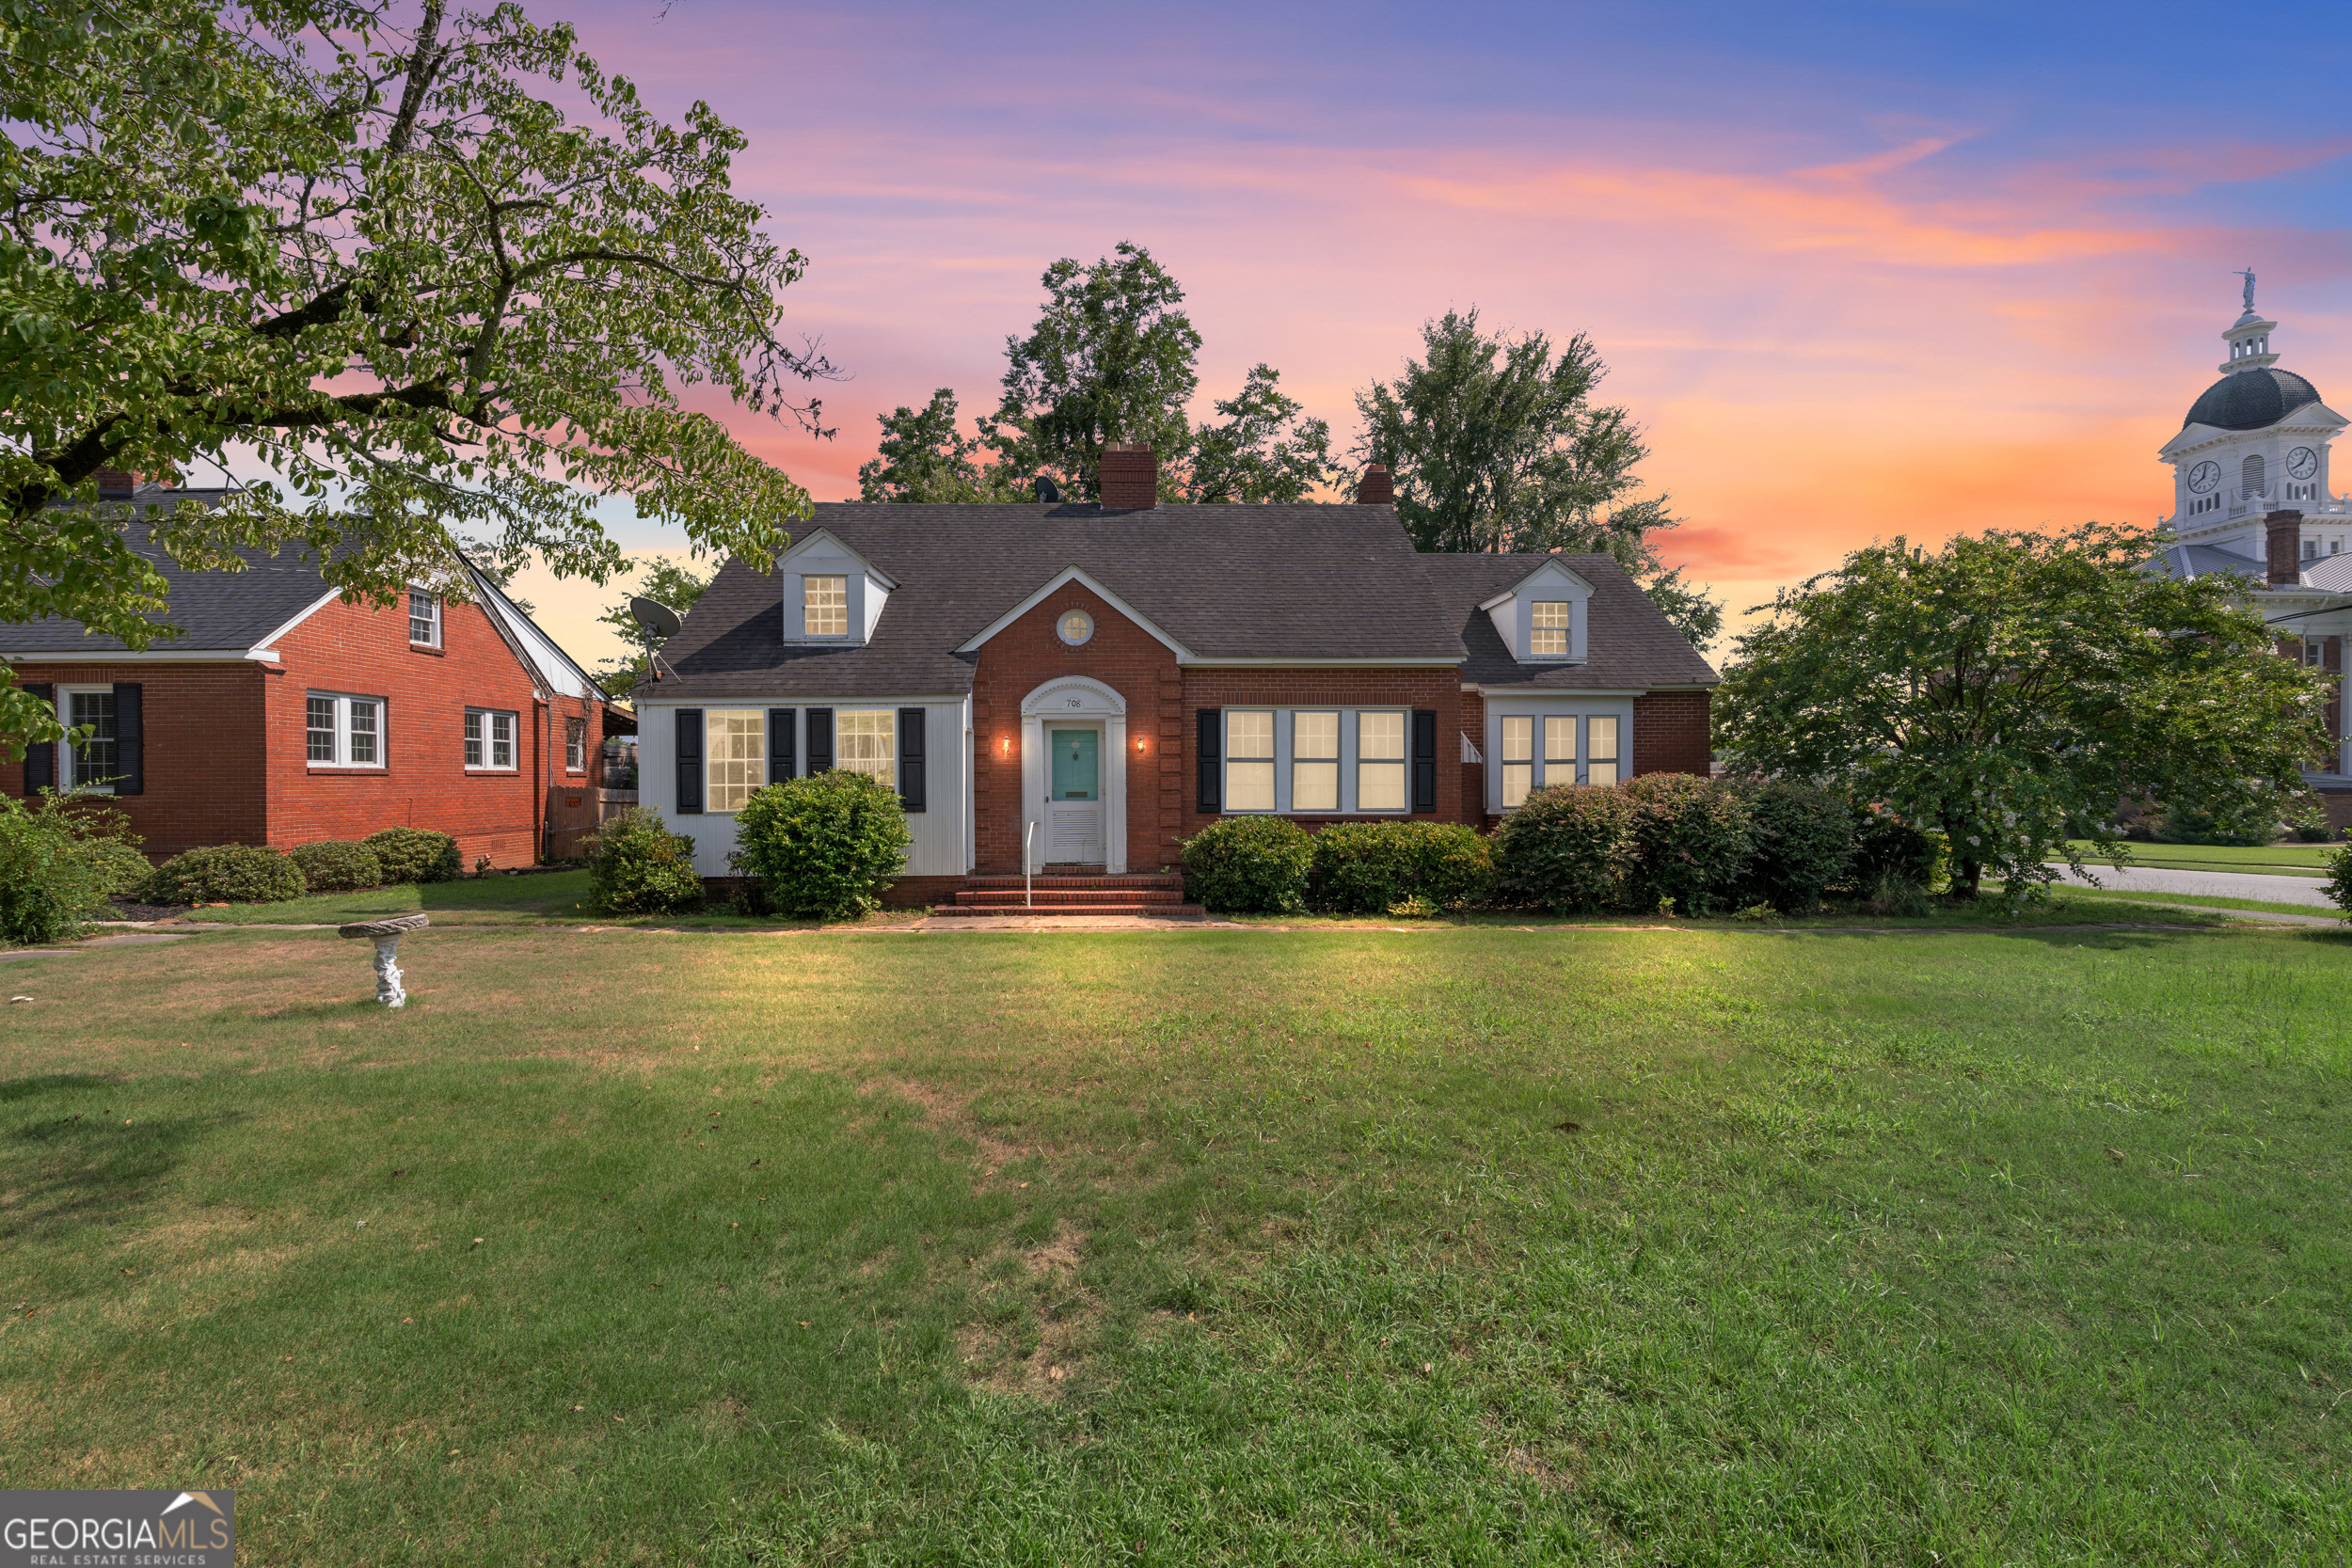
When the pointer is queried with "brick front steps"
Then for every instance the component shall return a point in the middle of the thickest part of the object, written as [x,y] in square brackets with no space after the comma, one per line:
[1158,897]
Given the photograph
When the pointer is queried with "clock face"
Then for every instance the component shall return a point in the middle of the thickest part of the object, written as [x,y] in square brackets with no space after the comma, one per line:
[2302,463]
[2204,476]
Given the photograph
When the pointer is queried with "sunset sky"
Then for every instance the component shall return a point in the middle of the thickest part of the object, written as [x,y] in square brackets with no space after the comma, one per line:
[1859,270]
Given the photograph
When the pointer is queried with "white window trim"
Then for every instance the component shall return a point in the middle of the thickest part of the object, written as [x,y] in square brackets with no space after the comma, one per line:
[436,638]
[514,732]
[342,701]
[1350,759]
[581,765]
[62,703]
[761,761]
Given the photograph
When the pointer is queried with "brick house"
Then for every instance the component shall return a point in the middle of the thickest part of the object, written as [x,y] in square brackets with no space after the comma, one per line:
[1081,686]
[285,715]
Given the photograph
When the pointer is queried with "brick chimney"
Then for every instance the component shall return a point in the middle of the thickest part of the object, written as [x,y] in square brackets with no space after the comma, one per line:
[1131,477]
[2282,533]
[114,485]
[1375,489]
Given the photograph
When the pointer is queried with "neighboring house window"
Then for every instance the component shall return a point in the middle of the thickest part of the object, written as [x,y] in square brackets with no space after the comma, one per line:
[576,745]
[90,759]
[1316,762]
[2315,653]
[1600,763]
[735,755]
[1560,750]
[425,617]
[866,740]
[1380,762]
[1519,763]
[1249,761]
[1548,634]
[489,739]
[338,731]
[825,607]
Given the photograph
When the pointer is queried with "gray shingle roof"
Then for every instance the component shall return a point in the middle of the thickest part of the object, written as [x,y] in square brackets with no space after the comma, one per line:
[1304,582]
[1630,644]
[217,610]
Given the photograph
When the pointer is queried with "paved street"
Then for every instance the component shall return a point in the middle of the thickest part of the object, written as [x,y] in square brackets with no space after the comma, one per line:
[2213,884]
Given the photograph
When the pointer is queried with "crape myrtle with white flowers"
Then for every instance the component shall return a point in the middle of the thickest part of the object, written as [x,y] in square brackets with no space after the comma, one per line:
[2014,689]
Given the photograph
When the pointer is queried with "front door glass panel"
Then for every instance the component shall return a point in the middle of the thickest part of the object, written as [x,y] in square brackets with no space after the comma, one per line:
[1077,763]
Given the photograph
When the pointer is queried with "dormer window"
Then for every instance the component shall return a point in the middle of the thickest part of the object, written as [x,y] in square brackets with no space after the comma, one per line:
[825,606]
[1548,629]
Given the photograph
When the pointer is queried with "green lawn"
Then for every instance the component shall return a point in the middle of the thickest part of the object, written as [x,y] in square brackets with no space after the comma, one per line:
[2185,902]
[1466,1246]
[2276,860]
[535,898]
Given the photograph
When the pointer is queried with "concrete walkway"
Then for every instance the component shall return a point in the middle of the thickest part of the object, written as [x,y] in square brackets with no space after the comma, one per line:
[2211,885]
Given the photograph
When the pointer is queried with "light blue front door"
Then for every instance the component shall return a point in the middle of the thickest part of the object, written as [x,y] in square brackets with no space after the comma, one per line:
[1077,763]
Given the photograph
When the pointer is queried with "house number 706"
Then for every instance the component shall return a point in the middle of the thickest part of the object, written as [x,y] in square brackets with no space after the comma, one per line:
[1076,702]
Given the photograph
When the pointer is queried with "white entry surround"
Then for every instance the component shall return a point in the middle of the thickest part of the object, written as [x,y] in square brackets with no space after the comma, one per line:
[1081,703]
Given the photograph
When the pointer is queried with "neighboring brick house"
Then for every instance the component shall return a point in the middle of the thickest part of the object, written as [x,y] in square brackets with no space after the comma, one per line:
[1084,686]
[286,715]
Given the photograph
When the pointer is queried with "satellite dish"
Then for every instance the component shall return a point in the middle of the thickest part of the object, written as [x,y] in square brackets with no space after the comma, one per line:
[658,619]
[1047,491]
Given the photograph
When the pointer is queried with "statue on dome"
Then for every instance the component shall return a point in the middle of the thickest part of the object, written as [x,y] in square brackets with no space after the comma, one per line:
[2249,276]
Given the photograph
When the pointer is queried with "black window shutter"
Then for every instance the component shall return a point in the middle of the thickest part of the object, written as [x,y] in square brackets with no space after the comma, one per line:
[821,740]
[690,762]
[130,739]
[911,787]
[40,762]
[1424,759]
[1205,747]
[780,755]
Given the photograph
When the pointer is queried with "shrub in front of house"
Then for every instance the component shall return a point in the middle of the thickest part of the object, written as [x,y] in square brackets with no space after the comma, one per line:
[1804,845]
[1564,848]
[226,874]
[823,847]
[415,855]
[1370,867]
[1249,865]
[48,883]
[122,871]
[1692,839]
[2307,819]
[338,865]
[1889,849]
[636,865]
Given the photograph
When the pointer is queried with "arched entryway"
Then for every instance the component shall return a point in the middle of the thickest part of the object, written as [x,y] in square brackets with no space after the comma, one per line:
[1073,774]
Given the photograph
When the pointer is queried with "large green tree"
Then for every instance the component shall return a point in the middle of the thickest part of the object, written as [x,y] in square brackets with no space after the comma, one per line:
[1494,443]
[926,457]
[2012,689]
[436,268]
[675,583]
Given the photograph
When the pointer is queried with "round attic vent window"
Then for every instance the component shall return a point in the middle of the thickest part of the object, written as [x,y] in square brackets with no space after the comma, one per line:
[1076,626]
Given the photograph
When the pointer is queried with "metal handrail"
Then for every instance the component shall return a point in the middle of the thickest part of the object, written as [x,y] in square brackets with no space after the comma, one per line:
[1028,841]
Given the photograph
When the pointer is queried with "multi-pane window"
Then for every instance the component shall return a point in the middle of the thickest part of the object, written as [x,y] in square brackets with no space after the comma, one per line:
[2315,653]
[735,755]
[1560,750]
[425,617]
[1548,629]
[489,739]
[825,607]
[1519,760]
[91,715]
[1380,762]
[866,740]
[1314,762]
[343,732]
[1600,760]
[576,745]
[1249,761]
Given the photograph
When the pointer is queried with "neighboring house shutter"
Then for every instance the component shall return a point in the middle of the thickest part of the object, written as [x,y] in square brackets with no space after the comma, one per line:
[910,795]
[780,753]
[40,762]
[1205,747]
[129,740]
[1424,759]
[821,740]
[690,762]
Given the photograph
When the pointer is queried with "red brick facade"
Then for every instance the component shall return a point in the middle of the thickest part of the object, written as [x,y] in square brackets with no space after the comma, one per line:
[1672,733]
[226,759]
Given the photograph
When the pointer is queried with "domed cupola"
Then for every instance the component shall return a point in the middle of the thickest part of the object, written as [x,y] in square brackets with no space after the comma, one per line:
[2251,399]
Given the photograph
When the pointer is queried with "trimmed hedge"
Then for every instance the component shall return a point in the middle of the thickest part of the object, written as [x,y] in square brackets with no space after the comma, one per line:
[1564,848]
[1691,841]
[122,871]
[226,874]
[1804,845]
[1368,867]
[338,865]
[1249,865]
[414,855]
[823,847]
[636,865]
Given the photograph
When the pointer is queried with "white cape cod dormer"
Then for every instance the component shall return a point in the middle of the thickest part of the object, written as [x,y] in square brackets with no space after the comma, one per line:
[1542,617]
[833,596]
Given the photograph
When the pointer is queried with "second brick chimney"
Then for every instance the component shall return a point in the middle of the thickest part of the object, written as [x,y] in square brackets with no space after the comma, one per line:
[114,484]
[1131,477]
[1375,489]
[2283,533]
